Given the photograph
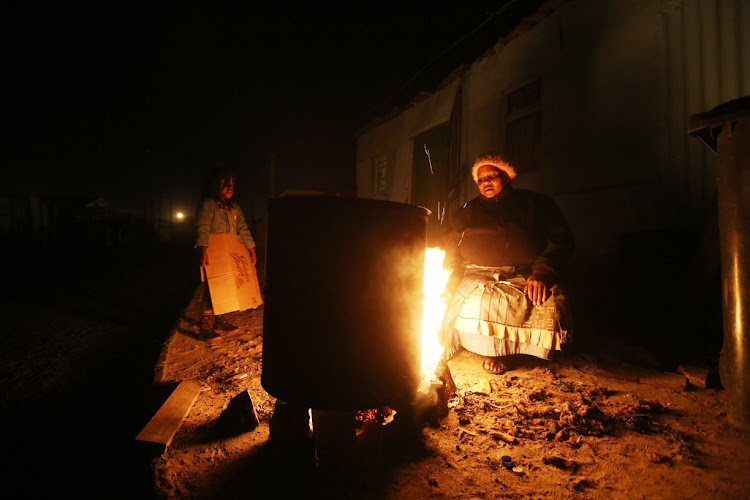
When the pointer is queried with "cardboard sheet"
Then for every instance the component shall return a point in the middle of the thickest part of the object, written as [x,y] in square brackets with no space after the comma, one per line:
[232,278]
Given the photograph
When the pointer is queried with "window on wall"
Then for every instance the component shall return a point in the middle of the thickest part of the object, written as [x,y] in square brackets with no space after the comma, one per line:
[523,126]
[380,176]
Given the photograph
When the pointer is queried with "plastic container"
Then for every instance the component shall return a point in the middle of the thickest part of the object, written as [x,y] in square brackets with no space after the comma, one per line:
[507,462]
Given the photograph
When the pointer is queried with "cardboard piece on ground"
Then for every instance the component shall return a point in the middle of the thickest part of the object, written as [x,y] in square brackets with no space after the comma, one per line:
[232,278]
[164,424]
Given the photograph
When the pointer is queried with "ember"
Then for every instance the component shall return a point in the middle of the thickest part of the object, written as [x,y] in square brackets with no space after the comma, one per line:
[378,415]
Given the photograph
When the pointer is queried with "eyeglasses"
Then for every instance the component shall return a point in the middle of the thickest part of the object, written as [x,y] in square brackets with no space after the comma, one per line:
[491,177]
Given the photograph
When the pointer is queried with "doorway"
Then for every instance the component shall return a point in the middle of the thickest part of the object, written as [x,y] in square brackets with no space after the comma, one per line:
[430,174]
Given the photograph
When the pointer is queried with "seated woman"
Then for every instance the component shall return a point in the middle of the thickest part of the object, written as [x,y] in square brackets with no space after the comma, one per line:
[506,248]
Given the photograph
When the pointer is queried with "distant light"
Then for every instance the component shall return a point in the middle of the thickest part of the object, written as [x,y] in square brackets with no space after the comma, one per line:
[179,216]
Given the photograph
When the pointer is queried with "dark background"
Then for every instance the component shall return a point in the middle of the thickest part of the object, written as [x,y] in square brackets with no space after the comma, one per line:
[134,101]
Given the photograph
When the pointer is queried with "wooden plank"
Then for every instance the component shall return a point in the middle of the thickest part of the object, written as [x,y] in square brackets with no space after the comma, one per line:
[631,373]
[164,424]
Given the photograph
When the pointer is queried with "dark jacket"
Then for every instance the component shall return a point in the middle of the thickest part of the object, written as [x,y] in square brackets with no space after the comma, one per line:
[518,227]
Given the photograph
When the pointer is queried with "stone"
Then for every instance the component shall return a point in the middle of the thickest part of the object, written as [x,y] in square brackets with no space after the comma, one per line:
[239,416]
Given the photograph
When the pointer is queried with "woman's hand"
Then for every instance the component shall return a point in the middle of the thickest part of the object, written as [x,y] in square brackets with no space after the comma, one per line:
[253,257]
[537,288]
[204,256]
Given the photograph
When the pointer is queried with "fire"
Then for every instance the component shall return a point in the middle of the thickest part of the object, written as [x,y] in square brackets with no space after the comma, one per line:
[433,308]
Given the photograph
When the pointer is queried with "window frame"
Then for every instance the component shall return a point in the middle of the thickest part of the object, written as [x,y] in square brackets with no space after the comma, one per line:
[523,125]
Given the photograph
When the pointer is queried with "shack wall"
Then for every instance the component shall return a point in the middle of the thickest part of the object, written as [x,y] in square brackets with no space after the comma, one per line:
[618,81]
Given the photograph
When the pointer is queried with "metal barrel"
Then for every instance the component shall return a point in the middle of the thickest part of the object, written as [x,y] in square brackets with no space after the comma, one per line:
[726,130]
[342,315]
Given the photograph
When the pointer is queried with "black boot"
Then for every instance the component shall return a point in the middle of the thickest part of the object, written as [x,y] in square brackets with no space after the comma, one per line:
[208,328]
[223,326]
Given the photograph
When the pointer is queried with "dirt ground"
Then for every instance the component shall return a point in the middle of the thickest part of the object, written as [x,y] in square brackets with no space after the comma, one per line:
[86,335]
[570,430]
[81,333]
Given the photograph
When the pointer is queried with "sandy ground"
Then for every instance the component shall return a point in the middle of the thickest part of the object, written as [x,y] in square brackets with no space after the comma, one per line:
[81,333]
[574,433]
[93,344]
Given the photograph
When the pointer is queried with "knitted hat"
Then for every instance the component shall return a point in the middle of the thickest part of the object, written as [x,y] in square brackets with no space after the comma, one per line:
[496,161]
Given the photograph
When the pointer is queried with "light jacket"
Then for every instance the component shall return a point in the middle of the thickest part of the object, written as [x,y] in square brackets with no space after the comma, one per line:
[214,218]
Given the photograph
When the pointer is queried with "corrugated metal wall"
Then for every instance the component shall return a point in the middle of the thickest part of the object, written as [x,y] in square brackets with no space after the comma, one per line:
[707,62]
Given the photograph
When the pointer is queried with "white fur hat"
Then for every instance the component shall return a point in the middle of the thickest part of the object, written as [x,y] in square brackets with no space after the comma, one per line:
[496,161]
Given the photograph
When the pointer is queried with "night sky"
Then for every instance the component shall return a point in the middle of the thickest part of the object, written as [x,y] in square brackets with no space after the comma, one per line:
[116,100]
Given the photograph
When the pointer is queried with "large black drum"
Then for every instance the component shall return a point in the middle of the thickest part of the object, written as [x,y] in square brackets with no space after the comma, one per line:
[342,319]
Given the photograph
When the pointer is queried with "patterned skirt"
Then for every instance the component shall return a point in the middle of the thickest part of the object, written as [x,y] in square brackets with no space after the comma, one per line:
[491,315]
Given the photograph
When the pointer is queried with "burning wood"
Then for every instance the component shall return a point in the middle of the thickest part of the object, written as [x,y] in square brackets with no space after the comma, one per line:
[382,415]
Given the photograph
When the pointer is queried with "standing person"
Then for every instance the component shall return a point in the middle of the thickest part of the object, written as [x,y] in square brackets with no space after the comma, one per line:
[507,249]
[217,213]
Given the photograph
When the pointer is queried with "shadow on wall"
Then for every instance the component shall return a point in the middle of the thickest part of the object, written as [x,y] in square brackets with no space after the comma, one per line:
[657,303]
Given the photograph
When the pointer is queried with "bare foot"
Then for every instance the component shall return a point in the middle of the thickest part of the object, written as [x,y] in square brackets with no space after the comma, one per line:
[495,366]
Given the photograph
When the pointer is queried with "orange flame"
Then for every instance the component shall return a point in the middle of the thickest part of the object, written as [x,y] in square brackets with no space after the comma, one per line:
[433,308]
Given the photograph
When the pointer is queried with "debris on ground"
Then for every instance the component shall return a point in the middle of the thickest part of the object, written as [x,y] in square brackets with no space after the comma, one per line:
[568,429]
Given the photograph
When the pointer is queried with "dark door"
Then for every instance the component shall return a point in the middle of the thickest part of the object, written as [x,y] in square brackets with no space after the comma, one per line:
[429,185]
